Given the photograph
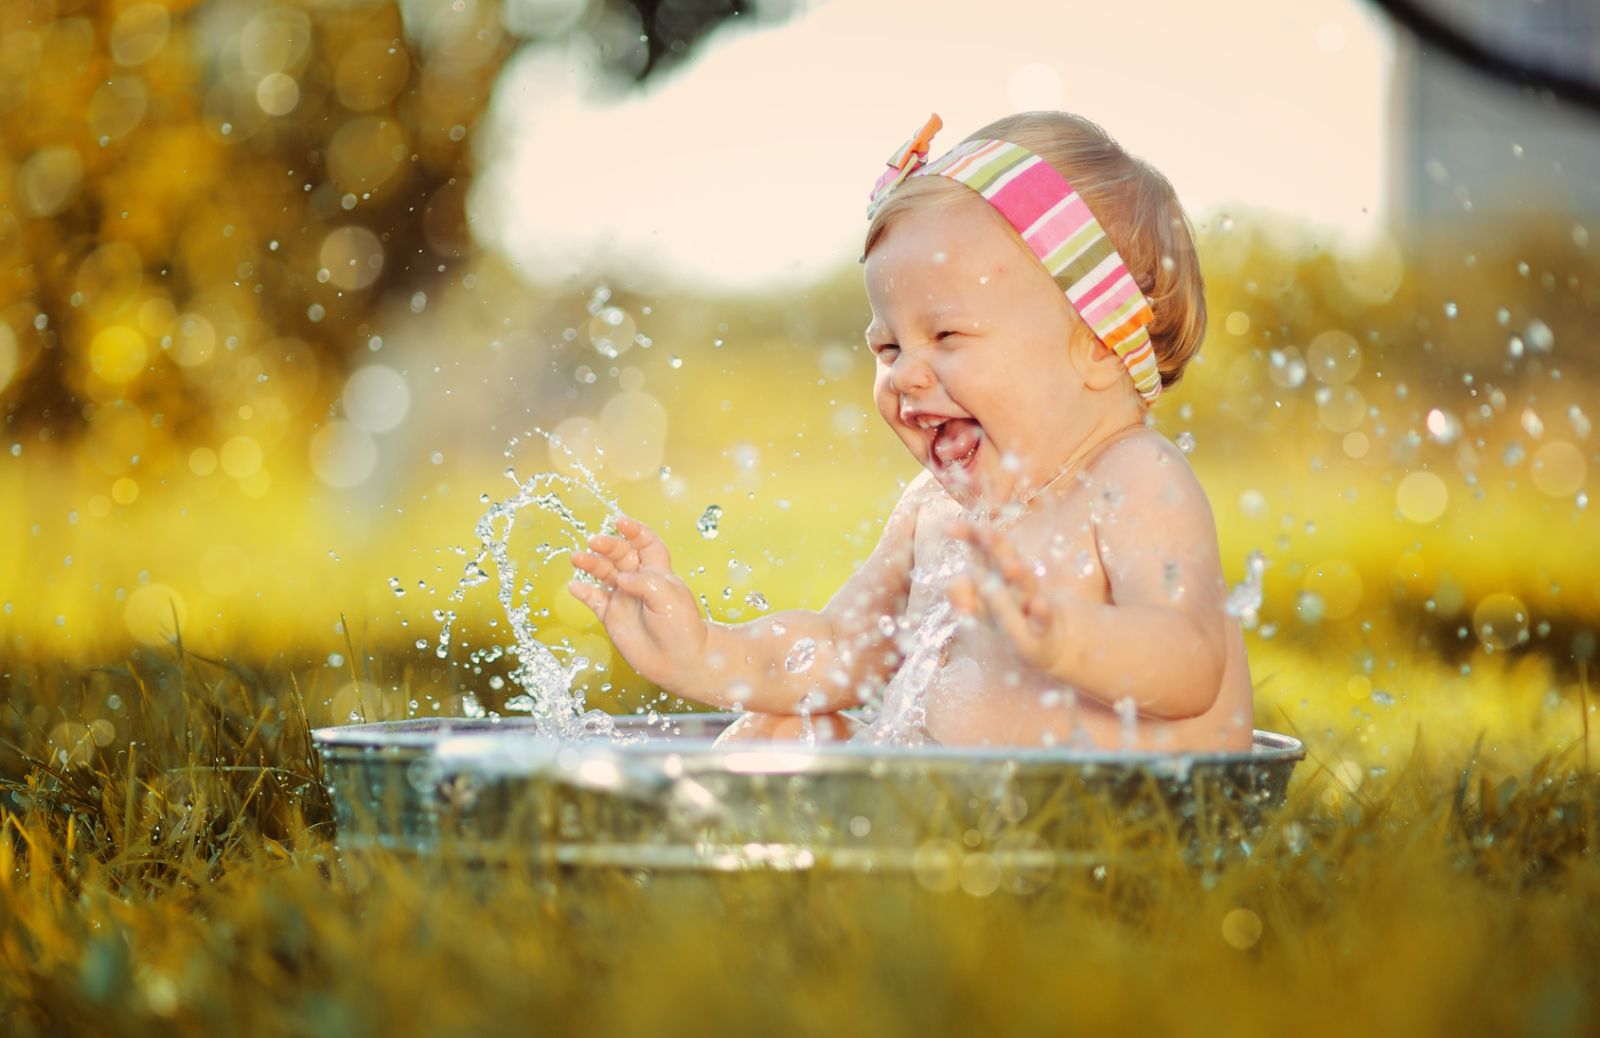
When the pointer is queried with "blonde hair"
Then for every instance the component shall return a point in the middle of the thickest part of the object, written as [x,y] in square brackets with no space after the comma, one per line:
[1133,202]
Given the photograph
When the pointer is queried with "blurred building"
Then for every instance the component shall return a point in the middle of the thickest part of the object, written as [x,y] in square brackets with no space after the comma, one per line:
[1467,142]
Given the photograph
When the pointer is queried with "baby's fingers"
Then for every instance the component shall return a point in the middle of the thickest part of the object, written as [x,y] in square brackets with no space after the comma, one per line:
[591,596]
[653,589]
[597,566]
[652,552]
[963,595]
[619,551]
[1026,620]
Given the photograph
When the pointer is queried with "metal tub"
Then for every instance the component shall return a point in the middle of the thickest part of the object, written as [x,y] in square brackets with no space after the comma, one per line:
[490,791]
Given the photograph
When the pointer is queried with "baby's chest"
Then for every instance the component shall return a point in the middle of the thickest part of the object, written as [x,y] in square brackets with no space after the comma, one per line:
[1057,546]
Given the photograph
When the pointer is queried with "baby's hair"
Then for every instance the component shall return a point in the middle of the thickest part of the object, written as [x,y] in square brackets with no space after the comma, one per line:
[1133,202]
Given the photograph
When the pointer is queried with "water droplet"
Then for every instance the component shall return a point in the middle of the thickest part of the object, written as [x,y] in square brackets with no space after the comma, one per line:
[1171,580]
[1450,310]
[1244,601]
[1382,698]
[1443,427]
[1540,338]
[1580,421]
[756,600]
[1513,454]
[708,521]
[1185,442]
[1286,367]
[394,585]
[1532,424]
[801,656]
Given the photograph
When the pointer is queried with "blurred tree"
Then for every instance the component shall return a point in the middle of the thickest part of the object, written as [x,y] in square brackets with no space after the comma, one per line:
[203,205]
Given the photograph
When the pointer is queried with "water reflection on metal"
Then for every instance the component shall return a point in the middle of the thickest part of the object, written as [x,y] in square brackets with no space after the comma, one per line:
[489,790]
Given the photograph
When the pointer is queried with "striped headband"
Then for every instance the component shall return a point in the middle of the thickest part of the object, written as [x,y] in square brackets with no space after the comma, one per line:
[1054,222]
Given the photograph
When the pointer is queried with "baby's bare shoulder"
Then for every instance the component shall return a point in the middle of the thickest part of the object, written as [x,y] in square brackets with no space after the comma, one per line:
[1148,469]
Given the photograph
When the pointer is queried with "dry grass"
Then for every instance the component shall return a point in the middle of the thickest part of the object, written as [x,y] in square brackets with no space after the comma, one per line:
[183,881]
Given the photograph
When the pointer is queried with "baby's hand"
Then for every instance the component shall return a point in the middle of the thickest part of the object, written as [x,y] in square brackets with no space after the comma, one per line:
[650,614]
[1012,594]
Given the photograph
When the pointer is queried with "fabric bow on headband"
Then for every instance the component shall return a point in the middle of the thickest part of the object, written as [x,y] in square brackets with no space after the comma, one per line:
[1057,226]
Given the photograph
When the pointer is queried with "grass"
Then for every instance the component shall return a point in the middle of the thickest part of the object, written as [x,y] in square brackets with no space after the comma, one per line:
[182,879]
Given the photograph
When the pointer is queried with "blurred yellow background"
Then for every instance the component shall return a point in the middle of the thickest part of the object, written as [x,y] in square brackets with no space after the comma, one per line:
[261,376]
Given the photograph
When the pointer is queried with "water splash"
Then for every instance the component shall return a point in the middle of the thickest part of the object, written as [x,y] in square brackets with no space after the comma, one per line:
[546,681]
[901,717]
[1244,601]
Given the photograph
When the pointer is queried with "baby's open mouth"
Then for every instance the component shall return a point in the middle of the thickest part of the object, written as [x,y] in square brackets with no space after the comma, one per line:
[956,442]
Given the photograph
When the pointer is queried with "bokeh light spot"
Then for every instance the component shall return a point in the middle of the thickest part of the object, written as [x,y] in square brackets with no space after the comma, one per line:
[276,39]
[1238,323]
[124,491]
[154,614]
[1501,622]
[1334,357]
[49,180]
[576,438]
[117,353]
[364,152]
[352,256]
[376,398]
[1241,928]
[1559,468]
[241,457]
[139,33]
[1421,497]
[202,461]
[117,107]
[277,94]
[1341,408]
[194,340]
[343,454]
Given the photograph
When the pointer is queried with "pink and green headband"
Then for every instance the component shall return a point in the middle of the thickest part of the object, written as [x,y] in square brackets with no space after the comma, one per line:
[1056,224]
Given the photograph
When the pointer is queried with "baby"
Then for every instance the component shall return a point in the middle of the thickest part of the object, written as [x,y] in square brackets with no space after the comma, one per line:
[1052,577]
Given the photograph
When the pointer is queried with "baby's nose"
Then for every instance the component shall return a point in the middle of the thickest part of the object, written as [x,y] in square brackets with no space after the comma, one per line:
[909,374]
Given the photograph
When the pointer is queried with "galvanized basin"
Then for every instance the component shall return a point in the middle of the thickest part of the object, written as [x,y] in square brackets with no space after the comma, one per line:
[492,791]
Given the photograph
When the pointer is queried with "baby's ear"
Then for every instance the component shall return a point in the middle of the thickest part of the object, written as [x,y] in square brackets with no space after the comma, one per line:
[1093,360]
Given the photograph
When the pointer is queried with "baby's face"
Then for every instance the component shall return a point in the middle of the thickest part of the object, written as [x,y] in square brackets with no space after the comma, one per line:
[970,335]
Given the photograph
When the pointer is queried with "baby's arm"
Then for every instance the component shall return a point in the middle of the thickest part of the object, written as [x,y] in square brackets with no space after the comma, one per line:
[763,664]
[1161,642]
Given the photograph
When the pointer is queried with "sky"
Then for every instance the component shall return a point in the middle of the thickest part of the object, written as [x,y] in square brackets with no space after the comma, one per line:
[749,166]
